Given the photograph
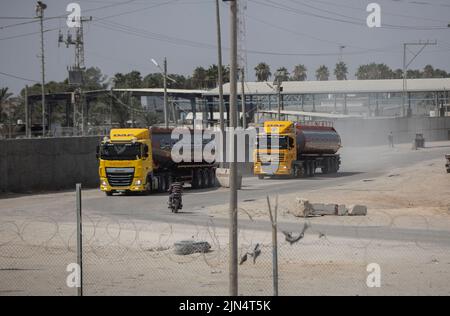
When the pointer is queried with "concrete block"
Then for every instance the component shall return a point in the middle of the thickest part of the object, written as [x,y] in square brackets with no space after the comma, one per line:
[342,210]
[223,178]
[357,210]
[325,209]
[303,209]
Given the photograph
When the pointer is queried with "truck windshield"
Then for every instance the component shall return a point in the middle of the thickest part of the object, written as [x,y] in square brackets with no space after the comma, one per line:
[273,142]
[121,151]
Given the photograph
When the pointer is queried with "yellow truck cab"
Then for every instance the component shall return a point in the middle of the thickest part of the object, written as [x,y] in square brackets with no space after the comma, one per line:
[266,154]
[140,160]
[125,161]
[285,148]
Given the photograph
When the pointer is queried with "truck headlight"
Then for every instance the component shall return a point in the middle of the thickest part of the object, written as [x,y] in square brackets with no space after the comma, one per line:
[138,182]
[104,183]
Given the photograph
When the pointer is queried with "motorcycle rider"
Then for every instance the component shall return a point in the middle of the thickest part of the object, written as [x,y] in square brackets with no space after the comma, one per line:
[176,191]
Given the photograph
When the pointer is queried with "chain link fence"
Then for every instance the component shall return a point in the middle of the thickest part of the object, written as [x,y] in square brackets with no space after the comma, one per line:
[126,256]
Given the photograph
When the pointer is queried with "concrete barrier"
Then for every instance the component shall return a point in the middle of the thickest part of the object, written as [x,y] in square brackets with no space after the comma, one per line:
[35,165]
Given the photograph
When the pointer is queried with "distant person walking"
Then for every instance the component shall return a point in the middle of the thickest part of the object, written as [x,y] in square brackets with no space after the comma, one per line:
[391,140]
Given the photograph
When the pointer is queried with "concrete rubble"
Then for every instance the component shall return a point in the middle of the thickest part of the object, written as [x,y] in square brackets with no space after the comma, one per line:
[305,209]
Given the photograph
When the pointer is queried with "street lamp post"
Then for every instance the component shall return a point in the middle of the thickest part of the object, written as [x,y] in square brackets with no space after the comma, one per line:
[278,82]
[40,8]
[165,77]
[233,232]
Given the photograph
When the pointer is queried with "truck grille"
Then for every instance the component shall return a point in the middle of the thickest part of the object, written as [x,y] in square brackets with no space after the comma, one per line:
[120,177]
[263,158]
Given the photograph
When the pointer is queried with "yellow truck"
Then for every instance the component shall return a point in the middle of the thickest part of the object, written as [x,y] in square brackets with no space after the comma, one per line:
[140,160]
[285,148]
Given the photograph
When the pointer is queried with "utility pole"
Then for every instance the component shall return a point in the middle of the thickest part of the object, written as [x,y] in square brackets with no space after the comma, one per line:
[278,83]
[40,8]
[166,112]
[406,64]
[76,72]
[220,74]
[233,229]
[244,111]
[27,111]
[165,77]
[341,53]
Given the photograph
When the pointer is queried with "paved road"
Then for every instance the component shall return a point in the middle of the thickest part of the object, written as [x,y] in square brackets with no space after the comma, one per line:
[358,164]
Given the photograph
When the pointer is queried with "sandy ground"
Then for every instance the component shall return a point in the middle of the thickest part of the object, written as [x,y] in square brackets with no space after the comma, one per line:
[130,257]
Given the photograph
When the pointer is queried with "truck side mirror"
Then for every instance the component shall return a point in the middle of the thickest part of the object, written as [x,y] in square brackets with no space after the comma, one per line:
[146,155]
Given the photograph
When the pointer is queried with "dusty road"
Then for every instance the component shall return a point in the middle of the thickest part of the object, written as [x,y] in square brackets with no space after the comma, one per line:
[129,239]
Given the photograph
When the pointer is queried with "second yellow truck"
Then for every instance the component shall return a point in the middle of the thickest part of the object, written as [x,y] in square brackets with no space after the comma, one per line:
[286,148]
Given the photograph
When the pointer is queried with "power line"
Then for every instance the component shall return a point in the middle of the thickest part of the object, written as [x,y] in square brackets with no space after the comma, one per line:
[27,34]
[15,18]
[340,5]
[352,20]
[183,42]
[18,77]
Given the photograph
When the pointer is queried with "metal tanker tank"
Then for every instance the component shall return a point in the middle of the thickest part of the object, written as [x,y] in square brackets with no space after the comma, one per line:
[162,144]
[317,140]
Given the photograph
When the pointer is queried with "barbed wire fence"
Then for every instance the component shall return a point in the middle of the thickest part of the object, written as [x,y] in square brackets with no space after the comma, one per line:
[125,256]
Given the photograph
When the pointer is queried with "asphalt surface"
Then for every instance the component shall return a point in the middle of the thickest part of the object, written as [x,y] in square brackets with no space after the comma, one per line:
[358,164]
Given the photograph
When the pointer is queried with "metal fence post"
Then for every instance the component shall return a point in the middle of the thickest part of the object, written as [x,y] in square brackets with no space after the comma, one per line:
[79,238]
[273,220]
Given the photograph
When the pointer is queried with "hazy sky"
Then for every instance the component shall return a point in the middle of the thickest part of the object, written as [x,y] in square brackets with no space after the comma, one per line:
[279,32]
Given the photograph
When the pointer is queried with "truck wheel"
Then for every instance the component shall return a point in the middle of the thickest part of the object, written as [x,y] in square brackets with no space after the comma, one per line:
[307,169]
[167,181]
[148,186]
[109,193]
[162,184]
[327,167]
[196,179]
[204,179]
[261,177]
[212,175]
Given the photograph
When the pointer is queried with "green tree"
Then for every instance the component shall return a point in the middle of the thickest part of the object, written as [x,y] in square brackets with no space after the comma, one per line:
[212,75]
[282,74]
[374,71]
[131,80]
[262,71]
[199,78]
[299,73]
[323,73]
[414,74]
[4,97]
[94,79]
[398,74]
[341,71]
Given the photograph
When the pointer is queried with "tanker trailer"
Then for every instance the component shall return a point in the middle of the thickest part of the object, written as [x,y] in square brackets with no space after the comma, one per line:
[289,149]
[140,160]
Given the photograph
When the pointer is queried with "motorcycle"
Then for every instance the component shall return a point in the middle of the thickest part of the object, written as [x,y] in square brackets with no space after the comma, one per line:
[176,203]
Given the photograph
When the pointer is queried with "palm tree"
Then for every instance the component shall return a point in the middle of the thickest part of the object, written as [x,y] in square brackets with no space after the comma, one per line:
[282,74]
[375,71]
[322,74]
[299,73]
[199,77]
[428,71]
[263,72]
[341,71]
[4,96]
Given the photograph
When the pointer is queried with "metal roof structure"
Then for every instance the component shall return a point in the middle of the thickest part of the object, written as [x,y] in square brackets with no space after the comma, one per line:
[312,114]
[160,91]
[340,87]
